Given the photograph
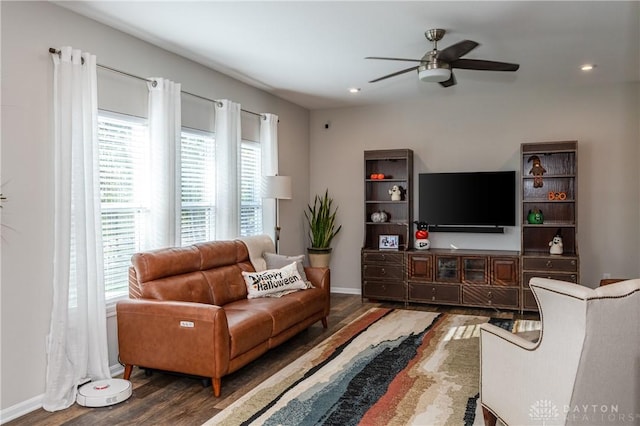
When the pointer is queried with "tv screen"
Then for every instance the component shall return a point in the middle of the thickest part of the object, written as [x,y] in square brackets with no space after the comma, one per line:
[474,198]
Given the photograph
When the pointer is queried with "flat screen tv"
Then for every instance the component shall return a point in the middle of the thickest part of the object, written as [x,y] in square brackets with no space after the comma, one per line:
[474,199]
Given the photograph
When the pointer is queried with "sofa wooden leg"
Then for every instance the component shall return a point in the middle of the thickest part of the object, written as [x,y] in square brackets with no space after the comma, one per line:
[324,322]
[217,385]
[489,418]
[128,368]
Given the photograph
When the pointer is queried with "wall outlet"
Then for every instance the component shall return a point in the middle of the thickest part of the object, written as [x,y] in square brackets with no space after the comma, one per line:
[606,276]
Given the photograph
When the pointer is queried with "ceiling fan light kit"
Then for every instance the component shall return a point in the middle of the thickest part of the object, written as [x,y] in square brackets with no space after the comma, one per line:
[436,66]
[434,75]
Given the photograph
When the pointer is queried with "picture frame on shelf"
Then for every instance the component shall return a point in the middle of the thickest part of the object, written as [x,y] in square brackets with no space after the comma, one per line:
[388,242]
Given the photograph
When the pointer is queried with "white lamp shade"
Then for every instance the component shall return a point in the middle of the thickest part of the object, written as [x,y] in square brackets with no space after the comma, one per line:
[278,187]
[435,75]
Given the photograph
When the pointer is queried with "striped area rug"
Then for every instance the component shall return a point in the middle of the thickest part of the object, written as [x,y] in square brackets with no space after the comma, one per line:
[387,367]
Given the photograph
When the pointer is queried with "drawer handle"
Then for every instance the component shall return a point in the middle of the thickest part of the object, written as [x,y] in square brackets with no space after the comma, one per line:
[382,257]
[549,264]
[489,295]
[382,271]
[574,278]
[573,263]
[433,298]
[433,290]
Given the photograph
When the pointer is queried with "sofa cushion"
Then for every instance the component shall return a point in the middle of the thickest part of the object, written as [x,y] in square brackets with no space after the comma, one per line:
[226,283]
[273,281]
[190,287]
[167,262]
[286,311]
[247,329]
[221,253]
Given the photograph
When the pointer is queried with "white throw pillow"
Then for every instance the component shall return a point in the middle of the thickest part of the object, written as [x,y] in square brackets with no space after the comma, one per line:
[273,282]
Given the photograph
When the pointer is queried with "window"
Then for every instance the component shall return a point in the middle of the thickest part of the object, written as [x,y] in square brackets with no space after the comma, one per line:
[124,191]
[123,143]
[250,188]
[198,172]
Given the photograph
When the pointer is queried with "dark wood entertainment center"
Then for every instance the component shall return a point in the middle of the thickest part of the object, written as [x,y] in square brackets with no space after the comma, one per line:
[475,278]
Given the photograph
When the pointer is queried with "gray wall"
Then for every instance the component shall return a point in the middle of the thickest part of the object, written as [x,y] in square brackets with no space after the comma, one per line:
[465,131]
[28,30]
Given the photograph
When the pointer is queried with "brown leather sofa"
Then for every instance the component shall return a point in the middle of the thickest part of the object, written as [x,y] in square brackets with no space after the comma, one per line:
[188,311]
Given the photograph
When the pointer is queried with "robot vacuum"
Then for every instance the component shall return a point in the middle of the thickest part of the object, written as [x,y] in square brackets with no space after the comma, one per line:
[103,393]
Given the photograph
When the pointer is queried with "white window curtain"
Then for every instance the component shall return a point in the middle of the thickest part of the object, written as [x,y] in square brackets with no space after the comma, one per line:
[269,142]
[228,138]
[164,135]
[77,340]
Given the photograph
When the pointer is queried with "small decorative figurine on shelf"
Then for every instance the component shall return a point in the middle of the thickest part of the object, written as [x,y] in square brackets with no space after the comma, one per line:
[535,216]
[555,244]
[396,193]
[536,170]
[422,236]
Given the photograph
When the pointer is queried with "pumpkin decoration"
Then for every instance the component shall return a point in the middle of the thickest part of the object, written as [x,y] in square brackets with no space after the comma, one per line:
[535,217]
[379,217]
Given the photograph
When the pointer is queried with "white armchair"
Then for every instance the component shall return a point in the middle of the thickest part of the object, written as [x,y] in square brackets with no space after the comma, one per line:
[584,369]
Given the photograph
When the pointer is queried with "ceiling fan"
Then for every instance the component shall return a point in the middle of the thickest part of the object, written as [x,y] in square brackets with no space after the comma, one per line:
[437,65]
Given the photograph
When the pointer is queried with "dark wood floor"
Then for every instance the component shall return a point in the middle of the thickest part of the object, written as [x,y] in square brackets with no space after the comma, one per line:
[166,399]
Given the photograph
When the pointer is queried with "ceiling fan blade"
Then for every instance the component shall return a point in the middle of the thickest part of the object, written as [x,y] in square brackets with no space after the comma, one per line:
[456,51]
[394,74]
[393,59]
[450,82]
[479,64]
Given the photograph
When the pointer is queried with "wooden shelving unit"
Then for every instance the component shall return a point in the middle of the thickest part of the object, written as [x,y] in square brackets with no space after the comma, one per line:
[383,270]
[560,160]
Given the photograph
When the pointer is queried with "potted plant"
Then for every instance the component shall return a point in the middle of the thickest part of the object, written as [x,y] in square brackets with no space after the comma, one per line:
[322,228]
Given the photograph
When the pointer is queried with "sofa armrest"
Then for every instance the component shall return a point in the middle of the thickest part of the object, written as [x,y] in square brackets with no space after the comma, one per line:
[191,338]
[319,277]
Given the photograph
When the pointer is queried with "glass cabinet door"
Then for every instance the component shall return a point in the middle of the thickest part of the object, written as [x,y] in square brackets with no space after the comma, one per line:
[475,270]
[447,269]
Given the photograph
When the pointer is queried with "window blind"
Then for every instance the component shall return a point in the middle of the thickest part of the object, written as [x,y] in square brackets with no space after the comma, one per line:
[198,186]
[250,188]
[123,143]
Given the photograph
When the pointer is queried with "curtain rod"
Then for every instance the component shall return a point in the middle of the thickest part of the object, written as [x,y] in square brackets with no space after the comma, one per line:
[153,82]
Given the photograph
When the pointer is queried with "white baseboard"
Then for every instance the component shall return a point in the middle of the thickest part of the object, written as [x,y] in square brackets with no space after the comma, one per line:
[21,408]
[35,403]
[346,290]
[116,370]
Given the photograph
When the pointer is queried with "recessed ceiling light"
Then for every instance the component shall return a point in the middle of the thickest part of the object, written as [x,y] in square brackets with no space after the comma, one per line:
[587,67]
[354,90]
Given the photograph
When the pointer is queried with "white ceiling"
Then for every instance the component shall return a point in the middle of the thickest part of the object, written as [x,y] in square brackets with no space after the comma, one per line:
[311,53]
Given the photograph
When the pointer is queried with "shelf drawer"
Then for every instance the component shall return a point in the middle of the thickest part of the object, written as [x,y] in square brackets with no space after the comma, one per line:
[526,276]
[436,293]
[490,296]
[383,272]
[383,257]
[383,290]
[550,264]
